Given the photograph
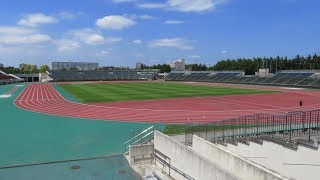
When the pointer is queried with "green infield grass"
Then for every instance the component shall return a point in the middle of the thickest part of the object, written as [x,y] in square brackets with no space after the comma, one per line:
[126,91]
[182,128]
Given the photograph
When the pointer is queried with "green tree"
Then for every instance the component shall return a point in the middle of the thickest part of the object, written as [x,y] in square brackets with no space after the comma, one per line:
[44,68]
[34,69]
[27,69]
[250,66]
[166,68]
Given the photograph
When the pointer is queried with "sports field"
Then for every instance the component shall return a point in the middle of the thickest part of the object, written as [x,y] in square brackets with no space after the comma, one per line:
[42,122]
[160,102]
[113,92]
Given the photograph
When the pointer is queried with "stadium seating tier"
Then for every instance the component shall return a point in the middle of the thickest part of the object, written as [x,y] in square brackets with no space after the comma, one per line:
[102,75]
[287,78]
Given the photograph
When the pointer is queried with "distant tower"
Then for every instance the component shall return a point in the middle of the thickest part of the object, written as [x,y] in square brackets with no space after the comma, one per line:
[178,65]
[139,65]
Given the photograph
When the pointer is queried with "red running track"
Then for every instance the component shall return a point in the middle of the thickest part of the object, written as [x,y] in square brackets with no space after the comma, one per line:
[43,98]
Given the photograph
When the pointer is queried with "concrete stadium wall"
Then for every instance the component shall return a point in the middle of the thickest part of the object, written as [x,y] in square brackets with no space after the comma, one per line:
[233,163]
[141,154]
[44,77]
[187,161]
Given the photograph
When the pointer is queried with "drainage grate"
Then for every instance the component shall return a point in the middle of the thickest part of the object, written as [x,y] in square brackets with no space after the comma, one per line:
[121,172]
[75,167]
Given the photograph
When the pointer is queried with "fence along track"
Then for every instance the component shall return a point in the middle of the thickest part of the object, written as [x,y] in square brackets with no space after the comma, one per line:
[288,126]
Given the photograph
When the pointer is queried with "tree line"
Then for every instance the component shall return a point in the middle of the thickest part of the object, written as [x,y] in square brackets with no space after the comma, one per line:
[275,64]
[196,67]
[27,69]
[249,65]
[163,68]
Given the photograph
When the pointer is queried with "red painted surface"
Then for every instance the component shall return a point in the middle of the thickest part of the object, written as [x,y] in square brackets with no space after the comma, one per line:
[11,90]
[43,98]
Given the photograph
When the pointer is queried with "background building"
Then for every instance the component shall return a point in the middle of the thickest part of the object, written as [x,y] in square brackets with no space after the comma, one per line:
[28,77]
[263,72]
[21,66]
[74,65]
[139,65]
[178,65]
[1,65]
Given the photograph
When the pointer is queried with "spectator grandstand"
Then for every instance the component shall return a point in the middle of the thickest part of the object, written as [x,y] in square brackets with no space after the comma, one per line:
[102,75]
[307,78]
[8,78]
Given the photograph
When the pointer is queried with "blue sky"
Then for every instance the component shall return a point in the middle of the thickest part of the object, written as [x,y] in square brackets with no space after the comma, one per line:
[122,32]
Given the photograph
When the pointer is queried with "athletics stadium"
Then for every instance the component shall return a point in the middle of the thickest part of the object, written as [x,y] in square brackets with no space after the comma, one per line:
[99,124]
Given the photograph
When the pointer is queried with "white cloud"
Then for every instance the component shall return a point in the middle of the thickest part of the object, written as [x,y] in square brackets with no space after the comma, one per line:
[177,43]
[123,1]
[94,39]
[115,22]
[151,5]
[113,39]
[140,17]
[26,39]
[184,5]
[104,52]
[15,30]
[69,15]
[21,36]
[67,45]
[137,41]
[195,56]
[191,6]
[33,20]
[146,17]
[173,22]
[223,52]
[88,36]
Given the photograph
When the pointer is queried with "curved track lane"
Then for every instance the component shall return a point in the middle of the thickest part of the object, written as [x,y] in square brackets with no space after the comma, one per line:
[43,98]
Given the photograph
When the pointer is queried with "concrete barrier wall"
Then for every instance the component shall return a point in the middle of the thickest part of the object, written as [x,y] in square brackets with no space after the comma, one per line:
[233,163]
[141,154]
[188,161]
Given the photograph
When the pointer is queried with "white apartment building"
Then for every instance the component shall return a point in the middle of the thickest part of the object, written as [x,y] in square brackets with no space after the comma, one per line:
[178,65]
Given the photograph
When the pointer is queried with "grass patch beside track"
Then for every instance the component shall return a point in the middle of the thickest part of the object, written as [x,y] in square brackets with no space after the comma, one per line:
[127,91]
[180,129]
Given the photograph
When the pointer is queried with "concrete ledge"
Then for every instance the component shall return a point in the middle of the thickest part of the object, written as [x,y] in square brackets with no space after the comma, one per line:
[153,170]
[237,165]
[141,154]
[186,160]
